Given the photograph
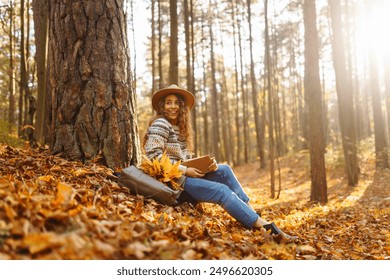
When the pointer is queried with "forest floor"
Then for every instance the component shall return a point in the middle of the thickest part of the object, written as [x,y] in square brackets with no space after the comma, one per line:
[51,208]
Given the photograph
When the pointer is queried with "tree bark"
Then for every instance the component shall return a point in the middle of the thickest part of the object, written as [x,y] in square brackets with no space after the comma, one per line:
[313,93]
[93,114]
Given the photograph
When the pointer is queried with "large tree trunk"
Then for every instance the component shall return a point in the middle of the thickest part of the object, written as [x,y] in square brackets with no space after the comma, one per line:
[313,93]
[344,96]
[93,106]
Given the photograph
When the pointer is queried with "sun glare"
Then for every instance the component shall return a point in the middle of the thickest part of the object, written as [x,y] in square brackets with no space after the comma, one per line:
[376,29]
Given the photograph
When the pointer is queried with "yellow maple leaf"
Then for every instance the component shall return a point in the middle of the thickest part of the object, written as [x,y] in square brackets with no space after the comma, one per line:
[162,169]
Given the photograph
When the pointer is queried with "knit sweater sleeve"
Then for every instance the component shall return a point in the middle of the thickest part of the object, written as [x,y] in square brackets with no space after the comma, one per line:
[157,137]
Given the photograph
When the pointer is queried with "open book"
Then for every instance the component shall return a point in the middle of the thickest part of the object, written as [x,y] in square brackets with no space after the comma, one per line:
[202,163]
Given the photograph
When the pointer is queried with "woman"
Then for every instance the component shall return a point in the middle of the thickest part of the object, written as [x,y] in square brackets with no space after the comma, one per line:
[170,131]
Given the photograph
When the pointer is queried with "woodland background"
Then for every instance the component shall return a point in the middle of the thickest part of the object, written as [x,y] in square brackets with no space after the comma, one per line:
[296,91]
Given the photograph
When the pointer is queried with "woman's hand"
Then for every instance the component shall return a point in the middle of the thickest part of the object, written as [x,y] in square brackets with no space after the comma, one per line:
[194,172]
[213,166]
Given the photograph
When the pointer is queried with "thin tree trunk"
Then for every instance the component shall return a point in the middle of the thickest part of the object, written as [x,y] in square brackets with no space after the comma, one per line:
[11,84]
[270,101]
[244,101]
[237,160]
[351,66]
[255,99]
[381,146]
[189,63]
[226,131]
[387,90]
[345,96]
[214,100]
[160,58]
[20,101]
[25,92]
[313,93]
[205,136]
[227,154]
[173,54]
[32,102]
[40,14]
[153,47]
[192,85]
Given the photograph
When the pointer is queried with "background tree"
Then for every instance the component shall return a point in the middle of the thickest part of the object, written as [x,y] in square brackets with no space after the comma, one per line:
[381,146]
[216,140]
[344,96]
[313,94]
[11,79]
[268,70]
[255,92]
[173,55]
[93,111]
[27,102]
[40,12]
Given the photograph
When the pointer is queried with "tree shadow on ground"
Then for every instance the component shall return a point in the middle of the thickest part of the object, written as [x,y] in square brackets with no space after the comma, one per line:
[355,227]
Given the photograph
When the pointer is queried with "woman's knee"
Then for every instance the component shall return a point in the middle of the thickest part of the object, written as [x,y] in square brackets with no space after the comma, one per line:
[222,195]
[224,168]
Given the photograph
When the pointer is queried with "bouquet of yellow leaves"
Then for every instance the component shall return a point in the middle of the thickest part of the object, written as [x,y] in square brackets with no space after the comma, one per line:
[162,170]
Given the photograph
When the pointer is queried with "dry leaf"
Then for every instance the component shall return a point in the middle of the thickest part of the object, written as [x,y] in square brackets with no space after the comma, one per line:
[38,242]
[64,194]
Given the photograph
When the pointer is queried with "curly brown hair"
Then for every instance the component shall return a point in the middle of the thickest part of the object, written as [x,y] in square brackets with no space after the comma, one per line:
[184,122]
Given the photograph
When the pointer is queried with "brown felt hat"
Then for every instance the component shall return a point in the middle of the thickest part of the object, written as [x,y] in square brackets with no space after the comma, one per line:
[189,98]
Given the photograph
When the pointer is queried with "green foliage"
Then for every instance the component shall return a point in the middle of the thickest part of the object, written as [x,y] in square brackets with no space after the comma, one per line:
[10,139]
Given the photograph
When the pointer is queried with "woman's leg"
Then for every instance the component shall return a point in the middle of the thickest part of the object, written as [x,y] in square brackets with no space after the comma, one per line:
[224,189]
[210,191]
[225,175]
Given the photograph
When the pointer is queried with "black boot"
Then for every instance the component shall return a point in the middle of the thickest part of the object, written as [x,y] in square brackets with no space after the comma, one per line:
[278,232]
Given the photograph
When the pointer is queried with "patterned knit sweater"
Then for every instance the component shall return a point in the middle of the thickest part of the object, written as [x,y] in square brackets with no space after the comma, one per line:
[163,136]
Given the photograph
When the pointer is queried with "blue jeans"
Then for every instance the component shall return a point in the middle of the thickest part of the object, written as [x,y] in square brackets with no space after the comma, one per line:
[222,187]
